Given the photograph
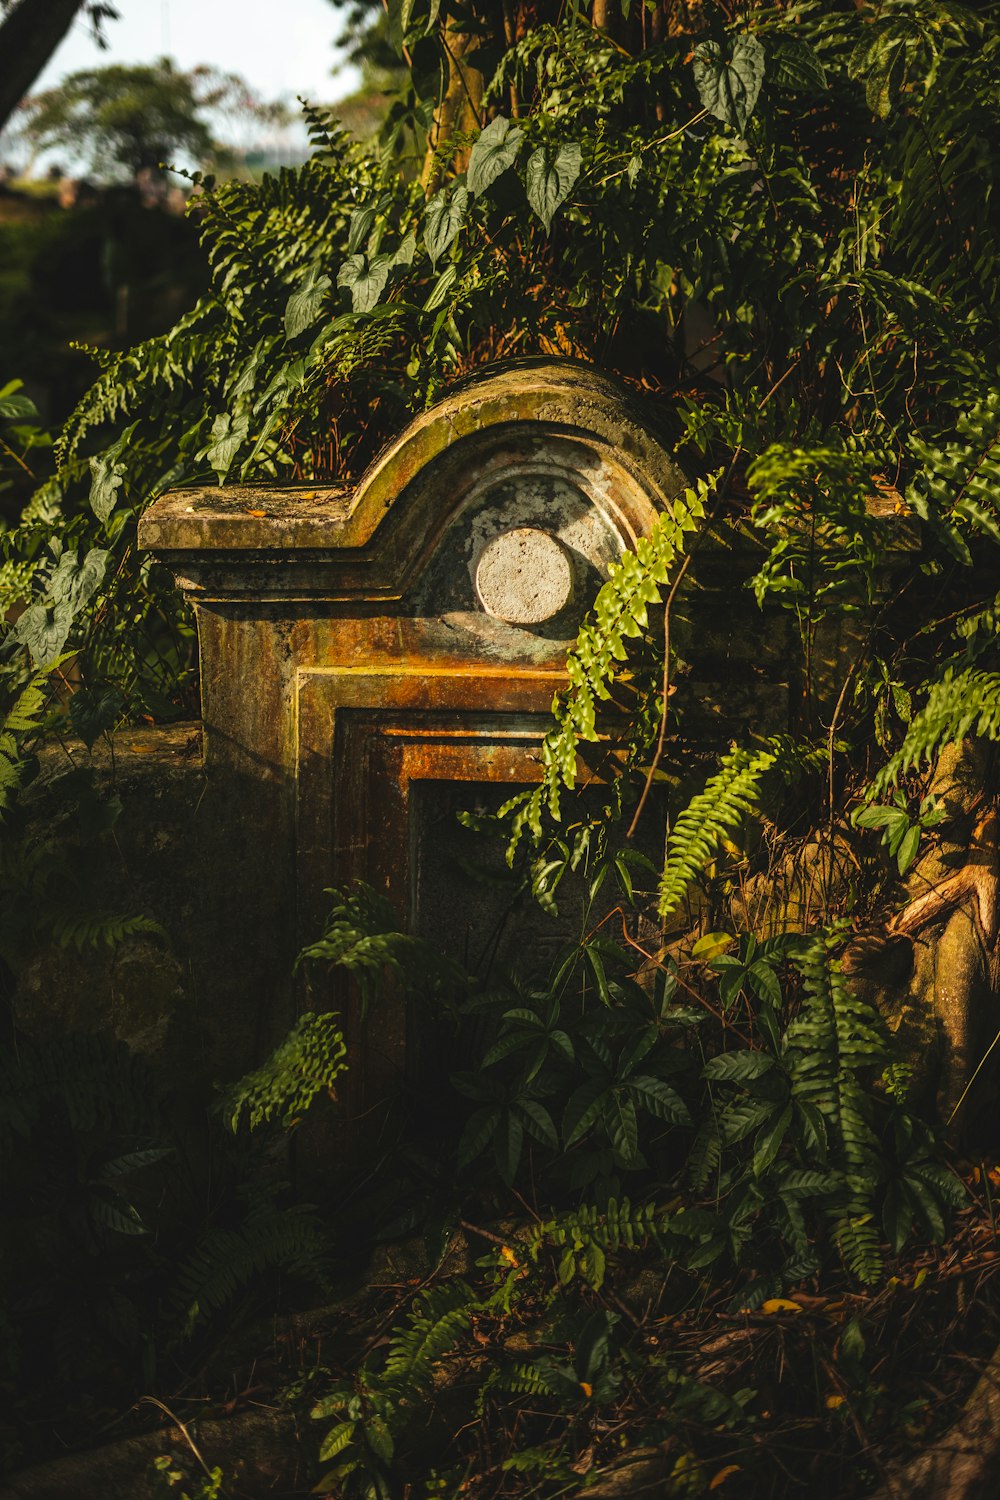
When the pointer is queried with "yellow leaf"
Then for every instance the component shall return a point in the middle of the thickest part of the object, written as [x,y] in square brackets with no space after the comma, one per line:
[779,1304]
[507,1254]
[834,1402]
[586,1388]
[920,1278]
[711,945]
[724,1474]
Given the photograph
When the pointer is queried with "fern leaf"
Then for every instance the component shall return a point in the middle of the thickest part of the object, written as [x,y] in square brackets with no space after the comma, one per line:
[438,1321]
[729,796]
[308,1062]
[961,704]
[620,614]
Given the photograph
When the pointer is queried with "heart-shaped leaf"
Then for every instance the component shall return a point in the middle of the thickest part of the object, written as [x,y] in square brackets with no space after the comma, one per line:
[365,279]
[494,151]
[549,183]
[729,83]
[305,305]
[445,216]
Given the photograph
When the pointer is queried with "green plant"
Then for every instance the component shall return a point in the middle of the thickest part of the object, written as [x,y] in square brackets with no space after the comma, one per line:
[772,220]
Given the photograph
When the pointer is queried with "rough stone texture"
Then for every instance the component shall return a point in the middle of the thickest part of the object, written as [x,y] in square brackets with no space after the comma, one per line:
[524,576]
[347,660]
[199,1000]
[257,1449]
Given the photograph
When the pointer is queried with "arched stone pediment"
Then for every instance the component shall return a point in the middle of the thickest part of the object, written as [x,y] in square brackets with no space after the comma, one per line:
[529,444]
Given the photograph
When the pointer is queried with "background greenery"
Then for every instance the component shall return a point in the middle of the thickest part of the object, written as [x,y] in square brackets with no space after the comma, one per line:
[778,222]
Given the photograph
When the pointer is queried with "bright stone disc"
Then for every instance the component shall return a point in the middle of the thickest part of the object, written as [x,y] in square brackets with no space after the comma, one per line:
[524,576]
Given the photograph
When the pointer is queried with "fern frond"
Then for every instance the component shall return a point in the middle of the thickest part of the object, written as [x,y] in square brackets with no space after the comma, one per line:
[439,1318]
[729,796]
[962,704]
[362,936]
[96,929]
[526,1379]
[230,1260]
[829,1048]
[588,1235]
[306,1063]
[23,721]
[620,614]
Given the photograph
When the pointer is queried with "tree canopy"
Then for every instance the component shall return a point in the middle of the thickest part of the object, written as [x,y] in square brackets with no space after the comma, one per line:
[126,117]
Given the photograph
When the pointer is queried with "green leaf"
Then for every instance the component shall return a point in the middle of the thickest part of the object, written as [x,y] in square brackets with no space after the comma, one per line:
[549,183]
[229,432]
[360,226]
[712,945]
[737,1067]
[596,964]
[623,1126]
[879,817]
[445,216]
[379,1438]
[107,474]
[118,1216]
[769,1139]
[336,1440]
[508,1144]
[93,711]
[852,1340]
[402,258]
[494,151]
[44,627]
[305,306]
[537,1121]
[14,406]
[907,851]
[364,279]
[660,1100]
[793,64]
[728,86]
[764,981]
[584,1107]
[441,288]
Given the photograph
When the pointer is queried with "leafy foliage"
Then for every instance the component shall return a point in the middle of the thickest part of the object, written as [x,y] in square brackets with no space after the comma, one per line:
[23,721]
[773,223]
[306,1063]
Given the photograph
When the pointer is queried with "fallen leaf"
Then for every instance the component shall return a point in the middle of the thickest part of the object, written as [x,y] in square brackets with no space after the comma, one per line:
[834,1402]
[256,512]
[920,1278]
[780,1304]
[724,1474]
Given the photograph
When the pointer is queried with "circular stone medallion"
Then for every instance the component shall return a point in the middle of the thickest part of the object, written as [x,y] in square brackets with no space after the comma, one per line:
[524,576]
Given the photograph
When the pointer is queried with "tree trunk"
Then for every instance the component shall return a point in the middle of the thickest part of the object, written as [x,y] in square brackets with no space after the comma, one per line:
[29,35]
[460,110]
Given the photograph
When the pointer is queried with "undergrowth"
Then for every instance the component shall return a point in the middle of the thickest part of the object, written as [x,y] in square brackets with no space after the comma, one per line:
[663,1163]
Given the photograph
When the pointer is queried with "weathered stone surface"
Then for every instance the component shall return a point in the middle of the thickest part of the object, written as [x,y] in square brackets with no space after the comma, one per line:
[524,576]
[348,660]
[257,1450]
[203,999]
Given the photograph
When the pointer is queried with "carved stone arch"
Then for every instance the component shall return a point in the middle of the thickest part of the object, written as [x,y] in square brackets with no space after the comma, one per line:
[561,417]
[371,656]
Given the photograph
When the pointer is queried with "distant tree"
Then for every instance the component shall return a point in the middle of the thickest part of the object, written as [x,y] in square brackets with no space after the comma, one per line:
[126,118]
[30,32]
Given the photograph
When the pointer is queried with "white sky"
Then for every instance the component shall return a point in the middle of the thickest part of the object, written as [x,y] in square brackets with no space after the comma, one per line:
[281,47]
